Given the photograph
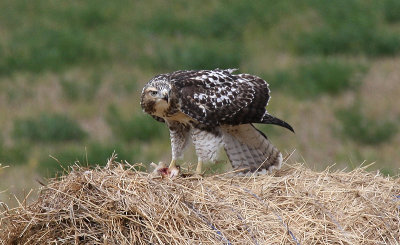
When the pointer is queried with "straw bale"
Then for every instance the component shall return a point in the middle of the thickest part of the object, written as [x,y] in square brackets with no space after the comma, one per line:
[118,205]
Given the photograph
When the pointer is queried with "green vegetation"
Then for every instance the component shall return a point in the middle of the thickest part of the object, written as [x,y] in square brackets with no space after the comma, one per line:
[81,89]
[17,154]
[139,127]
[223,54]
[350,27]
[201,38]
[314,78]
[356,126]
[93,154]
[389,172]
[42,48]
[48,128]
[392,11]
[48,36]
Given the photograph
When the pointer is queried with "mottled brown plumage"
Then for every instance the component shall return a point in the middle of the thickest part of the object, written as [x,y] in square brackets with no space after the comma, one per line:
[215,108]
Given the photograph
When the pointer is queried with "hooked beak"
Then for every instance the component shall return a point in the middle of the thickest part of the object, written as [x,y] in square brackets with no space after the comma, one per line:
[165,95]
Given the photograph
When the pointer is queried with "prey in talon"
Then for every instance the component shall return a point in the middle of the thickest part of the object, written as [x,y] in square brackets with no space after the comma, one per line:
[161,170]
[215,109]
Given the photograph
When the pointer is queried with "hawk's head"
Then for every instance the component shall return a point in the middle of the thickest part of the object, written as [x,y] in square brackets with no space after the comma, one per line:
[155,96]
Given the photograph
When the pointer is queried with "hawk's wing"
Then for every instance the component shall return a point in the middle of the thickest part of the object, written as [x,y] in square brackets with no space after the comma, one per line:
[220,97]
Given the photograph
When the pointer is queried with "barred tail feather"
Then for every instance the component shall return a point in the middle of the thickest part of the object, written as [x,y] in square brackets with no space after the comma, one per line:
[249,149]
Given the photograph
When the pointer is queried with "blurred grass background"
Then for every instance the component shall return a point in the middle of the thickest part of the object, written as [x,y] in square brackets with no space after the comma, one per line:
[71,75]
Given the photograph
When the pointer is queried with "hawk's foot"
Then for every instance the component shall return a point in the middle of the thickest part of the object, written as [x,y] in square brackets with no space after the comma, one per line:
[162,171]
[172,164]
[173,171]
[199,168]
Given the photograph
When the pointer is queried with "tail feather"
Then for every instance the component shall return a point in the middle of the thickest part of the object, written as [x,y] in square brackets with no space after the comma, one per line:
[268,119]
[249,149]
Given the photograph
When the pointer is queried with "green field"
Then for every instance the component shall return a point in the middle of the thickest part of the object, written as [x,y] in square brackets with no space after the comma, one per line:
[71,74]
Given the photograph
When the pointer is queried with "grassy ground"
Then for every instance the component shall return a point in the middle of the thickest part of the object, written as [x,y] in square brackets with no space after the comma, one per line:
[71,76]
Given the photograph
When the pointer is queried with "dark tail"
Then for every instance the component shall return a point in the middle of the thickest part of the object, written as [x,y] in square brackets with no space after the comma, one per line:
[268,119]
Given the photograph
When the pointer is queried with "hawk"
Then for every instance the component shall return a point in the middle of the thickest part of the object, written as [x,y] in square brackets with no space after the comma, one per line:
[215,109]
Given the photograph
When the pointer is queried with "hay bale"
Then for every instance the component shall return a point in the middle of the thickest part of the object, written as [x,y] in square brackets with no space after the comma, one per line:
[117,205]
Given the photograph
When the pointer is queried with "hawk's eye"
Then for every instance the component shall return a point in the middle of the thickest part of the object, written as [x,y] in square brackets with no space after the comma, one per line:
[153,93]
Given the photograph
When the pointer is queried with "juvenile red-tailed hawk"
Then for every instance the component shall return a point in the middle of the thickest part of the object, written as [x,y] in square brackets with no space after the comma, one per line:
[215,108]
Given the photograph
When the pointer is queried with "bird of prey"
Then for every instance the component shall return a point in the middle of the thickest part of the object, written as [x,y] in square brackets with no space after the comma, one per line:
[215,109]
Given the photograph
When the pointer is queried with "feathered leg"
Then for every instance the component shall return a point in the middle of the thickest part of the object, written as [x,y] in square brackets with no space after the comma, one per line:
[179,134]
[207,145]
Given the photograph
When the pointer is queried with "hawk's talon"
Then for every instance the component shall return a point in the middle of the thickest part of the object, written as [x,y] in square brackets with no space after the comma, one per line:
[173,172]
[162,171]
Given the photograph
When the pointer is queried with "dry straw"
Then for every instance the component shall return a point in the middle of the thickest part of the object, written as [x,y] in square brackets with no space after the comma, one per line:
[118,205]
